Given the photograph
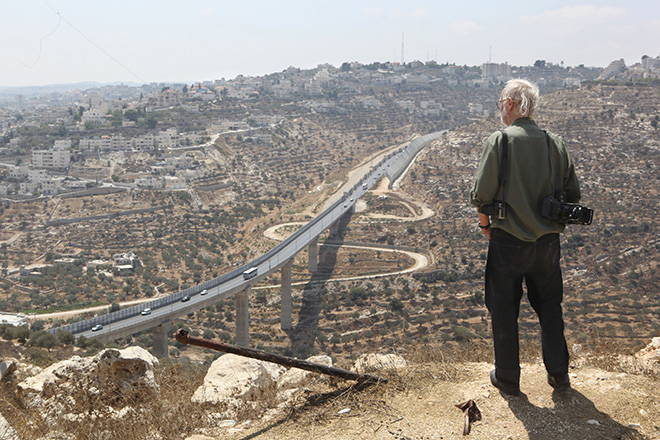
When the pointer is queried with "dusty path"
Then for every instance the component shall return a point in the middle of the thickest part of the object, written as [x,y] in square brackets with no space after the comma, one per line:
[421,261]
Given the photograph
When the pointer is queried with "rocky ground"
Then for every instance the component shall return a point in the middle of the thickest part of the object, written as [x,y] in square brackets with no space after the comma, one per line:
[118,392]
[601,405]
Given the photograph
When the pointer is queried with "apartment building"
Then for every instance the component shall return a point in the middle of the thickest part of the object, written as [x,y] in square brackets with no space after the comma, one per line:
[53,158]
[495,70]
[168,138]
[95,116]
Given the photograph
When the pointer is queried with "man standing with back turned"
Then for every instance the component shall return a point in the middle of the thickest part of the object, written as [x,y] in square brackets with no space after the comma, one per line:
[523,244]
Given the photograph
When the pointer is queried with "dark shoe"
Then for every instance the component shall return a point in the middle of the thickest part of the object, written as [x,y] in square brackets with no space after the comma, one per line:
[505,387]
[559,382]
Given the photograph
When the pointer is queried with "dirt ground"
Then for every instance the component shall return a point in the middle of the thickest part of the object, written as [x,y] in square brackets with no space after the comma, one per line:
[420,405]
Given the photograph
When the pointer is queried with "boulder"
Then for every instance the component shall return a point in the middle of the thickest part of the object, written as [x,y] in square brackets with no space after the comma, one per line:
[649,356]
[234,379]
[132,367]
[128,368]
[372,362]
[112,377]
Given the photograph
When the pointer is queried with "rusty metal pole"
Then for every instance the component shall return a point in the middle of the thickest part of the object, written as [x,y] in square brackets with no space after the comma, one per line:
[183,337]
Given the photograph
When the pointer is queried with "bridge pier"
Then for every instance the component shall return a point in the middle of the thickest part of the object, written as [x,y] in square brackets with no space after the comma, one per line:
[334,229]
[243,318]
[287,303]
[313,251]
[159,335]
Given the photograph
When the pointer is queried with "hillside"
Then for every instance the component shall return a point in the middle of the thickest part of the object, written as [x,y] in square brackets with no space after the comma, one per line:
[610,271]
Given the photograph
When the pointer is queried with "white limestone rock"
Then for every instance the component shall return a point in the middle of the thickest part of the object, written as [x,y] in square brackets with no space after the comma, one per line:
[369,363]
[649,356]
[232,379]
[130,367]
[651,352]
[63,388]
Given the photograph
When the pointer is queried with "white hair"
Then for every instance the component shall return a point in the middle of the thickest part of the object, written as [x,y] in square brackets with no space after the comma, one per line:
[524,93]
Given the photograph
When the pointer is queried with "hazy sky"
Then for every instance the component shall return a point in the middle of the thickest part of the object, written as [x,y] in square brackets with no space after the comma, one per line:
[64,41]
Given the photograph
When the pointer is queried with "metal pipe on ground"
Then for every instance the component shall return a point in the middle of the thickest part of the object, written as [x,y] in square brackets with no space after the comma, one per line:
[363,379]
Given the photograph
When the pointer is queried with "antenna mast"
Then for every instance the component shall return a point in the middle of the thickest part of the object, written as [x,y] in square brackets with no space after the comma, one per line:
[402,58]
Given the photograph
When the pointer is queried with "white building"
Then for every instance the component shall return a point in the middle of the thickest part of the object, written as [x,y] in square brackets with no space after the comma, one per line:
[75,184]
[283,89]
[168,138]
[264,120]
[52,186]
[144,142]
[19,172]
[15,319]
[37,175]
[173,182]
[649,63]
[495,70]
[27,187]
[51,158]
[149,182]
[126,259]
[168,98]
[94,116]
[613,69]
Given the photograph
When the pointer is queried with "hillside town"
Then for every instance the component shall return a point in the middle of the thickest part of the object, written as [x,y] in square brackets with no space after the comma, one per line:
[98,123]
[118,194]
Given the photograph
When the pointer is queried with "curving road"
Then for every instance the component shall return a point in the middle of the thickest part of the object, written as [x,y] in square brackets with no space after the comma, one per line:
[131,320]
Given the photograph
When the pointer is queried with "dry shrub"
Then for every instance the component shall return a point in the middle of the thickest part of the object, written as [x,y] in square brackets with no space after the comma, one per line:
[170,416]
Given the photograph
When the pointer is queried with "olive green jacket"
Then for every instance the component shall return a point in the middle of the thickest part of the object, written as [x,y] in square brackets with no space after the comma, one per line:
[528,180]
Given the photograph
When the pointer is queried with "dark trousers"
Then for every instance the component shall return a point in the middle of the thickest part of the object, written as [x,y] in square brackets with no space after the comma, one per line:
[510,261]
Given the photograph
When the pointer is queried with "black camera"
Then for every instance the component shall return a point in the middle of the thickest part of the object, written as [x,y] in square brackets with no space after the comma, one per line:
[556,208]
[496,210]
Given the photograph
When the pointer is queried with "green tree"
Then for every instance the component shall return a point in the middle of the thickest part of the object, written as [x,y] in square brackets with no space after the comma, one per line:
[117,118]
[42,339]
[65,338]
[131,115]
[150,121]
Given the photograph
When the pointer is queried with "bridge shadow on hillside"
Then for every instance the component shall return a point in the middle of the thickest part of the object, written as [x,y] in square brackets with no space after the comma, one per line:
[574,416]
[303,334]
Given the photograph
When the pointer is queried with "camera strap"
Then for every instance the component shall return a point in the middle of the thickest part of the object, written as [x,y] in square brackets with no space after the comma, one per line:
[547,141]
[505,160]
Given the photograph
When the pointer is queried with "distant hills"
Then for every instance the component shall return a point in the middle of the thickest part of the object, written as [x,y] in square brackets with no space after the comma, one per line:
[54,88]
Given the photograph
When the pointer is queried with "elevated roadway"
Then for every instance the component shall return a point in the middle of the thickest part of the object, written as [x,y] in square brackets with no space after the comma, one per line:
[238,282]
